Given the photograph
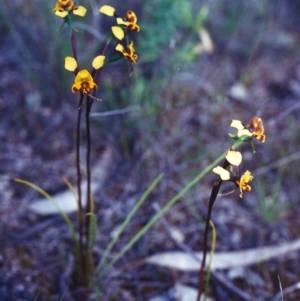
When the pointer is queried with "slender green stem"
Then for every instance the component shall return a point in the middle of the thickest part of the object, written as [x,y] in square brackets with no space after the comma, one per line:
[62,213]
[107,44]
[169,204]
[127,220]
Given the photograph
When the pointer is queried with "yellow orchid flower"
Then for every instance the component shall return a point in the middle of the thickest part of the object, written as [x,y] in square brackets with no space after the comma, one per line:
[243,182]
[64,7]
[84,82]
[256,127]
[129,53]
[129,21]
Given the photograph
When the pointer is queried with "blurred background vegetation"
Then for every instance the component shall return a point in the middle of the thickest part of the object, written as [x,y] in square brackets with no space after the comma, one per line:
[201,64]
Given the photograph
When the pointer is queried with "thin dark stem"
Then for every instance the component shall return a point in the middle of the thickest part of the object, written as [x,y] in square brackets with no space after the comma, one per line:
[73,43]
[213,197]
[88,166]
[74,48]
[80,211]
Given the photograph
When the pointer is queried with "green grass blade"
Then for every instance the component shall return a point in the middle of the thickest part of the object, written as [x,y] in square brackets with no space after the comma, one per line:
[127,220]
[169,205]
[62,213]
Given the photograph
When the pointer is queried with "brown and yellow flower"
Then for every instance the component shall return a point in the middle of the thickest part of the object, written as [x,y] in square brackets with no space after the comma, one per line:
[83,79]
[129,21]
[84,82]
[243,182]
[64,7]
[256,127]
[129,53]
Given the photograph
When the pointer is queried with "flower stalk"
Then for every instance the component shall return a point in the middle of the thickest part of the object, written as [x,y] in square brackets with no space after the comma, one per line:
[86,83]
[232,161]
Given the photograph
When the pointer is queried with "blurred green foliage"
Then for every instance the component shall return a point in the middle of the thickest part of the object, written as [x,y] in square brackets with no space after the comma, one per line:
[270,205]
[169,29]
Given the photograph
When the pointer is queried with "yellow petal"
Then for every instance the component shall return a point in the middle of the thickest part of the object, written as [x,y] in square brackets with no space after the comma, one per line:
[247,177]
[83,75]
[120,48]
[92,85]
[131,17]
[70,63]
[243,182]
[98,62]
[107,10]
[80,11]
[133,26]
[120,21]
[206,40]
[234,158]
[237,124]
[61,14]
[118,32]
[244,132]
[223,173]
[256,125]
[76,87]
